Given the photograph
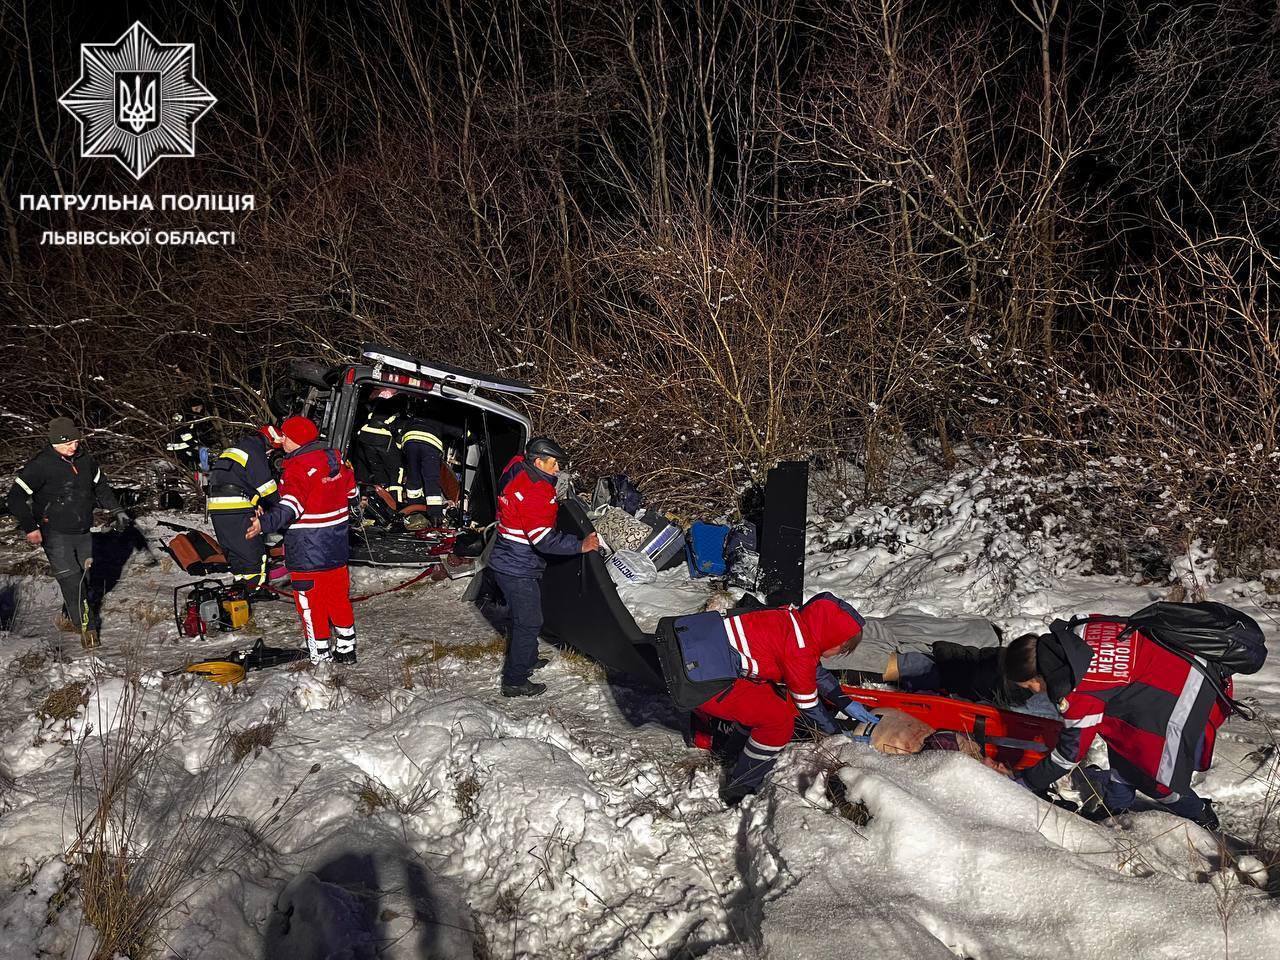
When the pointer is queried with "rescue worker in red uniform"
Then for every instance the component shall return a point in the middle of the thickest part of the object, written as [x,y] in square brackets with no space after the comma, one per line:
[777,652]
[527,511]
[316,490]
[1156,712]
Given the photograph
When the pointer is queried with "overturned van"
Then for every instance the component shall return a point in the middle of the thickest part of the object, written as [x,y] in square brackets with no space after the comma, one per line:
[339,399]
[581,607]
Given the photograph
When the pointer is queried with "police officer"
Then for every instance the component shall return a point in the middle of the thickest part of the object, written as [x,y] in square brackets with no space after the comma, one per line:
[422,443]
[240,481]
[53,500]
[378,457]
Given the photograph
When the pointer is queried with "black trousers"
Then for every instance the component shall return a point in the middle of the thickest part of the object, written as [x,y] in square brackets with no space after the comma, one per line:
[523,616]
[71,555]
[247,558]
[378,464]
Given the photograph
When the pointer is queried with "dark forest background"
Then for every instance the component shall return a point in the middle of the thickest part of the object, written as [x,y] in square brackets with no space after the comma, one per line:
[716,233]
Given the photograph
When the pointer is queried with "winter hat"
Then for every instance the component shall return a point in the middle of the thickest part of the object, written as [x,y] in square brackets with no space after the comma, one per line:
[829,622]
[1062,658]
[63,430]
[300,430]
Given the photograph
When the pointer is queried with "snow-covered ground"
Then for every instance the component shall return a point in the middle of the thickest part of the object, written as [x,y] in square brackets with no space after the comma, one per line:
[402,808]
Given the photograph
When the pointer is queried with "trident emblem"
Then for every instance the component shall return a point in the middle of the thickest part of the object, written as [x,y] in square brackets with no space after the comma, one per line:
[137,100]
[137,109]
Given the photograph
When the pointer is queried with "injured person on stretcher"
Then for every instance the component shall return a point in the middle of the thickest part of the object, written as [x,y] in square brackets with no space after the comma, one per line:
[1137,684]
[755,677]
[960,656]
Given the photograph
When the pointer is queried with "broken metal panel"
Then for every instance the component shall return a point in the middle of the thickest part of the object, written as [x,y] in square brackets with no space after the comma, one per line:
[782,533]
[581,608]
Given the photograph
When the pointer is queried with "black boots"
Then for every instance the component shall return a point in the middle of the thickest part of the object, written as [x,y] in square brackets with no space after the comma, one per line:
[1208,817]
[526,689]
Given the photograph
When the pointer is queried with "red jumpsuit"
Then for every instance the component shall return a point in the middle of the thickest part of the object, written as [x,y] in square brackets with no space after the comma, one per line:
[316,488]
[779,652]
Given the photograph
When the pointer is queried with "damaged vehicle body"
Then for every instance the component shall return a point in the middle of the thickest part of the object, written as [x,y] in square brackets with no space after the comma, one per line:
[341,399]
[581,605]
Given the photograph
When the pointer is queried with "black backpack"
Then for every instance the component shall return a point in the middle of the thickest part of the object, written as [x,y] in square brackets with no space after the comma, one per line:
[1229,641]
[1214,632]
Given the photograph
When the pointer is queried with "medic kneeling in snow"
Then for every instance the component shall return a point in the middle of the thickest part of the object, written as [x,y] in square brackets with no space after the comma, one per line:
[1157,709]
[760,670]
[316,490]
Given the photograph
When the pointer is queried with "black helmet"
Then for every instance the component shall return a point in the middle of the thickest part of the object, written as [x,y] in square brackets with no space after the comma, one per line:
[545,447]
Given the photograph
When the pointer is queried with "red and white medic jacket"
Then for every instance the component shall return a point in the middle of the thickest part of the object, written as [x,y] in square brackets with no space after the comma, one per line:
[527,511]
[1157,713]
[316,489]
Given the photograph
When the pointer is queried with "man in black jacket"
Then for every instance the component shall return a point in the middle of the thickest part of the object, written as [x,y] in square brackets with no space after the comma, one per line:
[53,500]
[961,656]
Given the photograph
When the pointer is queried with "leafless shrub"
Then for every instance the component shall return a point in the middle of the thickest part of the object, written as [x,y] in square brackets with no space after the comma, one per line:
[717,234]
[139,848]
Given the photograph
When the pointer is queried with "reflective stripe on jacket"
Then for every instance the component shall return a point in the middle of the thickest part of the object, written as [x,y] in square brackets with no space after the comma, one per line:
[527,512]
[59,493]
[1157,714]
[316,489]
[246,467]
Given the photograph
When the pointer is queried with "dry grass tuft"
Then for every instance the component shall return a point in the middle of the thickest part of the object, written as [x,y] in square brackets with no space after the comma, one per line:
[479,940]
[853,810]
[694,761]
[151,614]
[469,651]
[419,668]
[582,666]
[28,664]
[374,795]
[65,702]
[466,792]
[251,740]
[28,566]
[506,907]
[649,807]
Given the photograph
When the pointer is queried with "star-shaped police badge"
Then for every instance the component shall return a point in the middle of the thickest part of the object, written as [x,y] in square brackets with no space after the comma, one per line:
[137,100]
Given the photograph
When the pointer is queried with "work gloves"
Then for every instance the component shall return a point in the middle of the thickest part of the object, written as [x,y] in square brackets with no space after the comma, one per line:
[864,721]
[122,521]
